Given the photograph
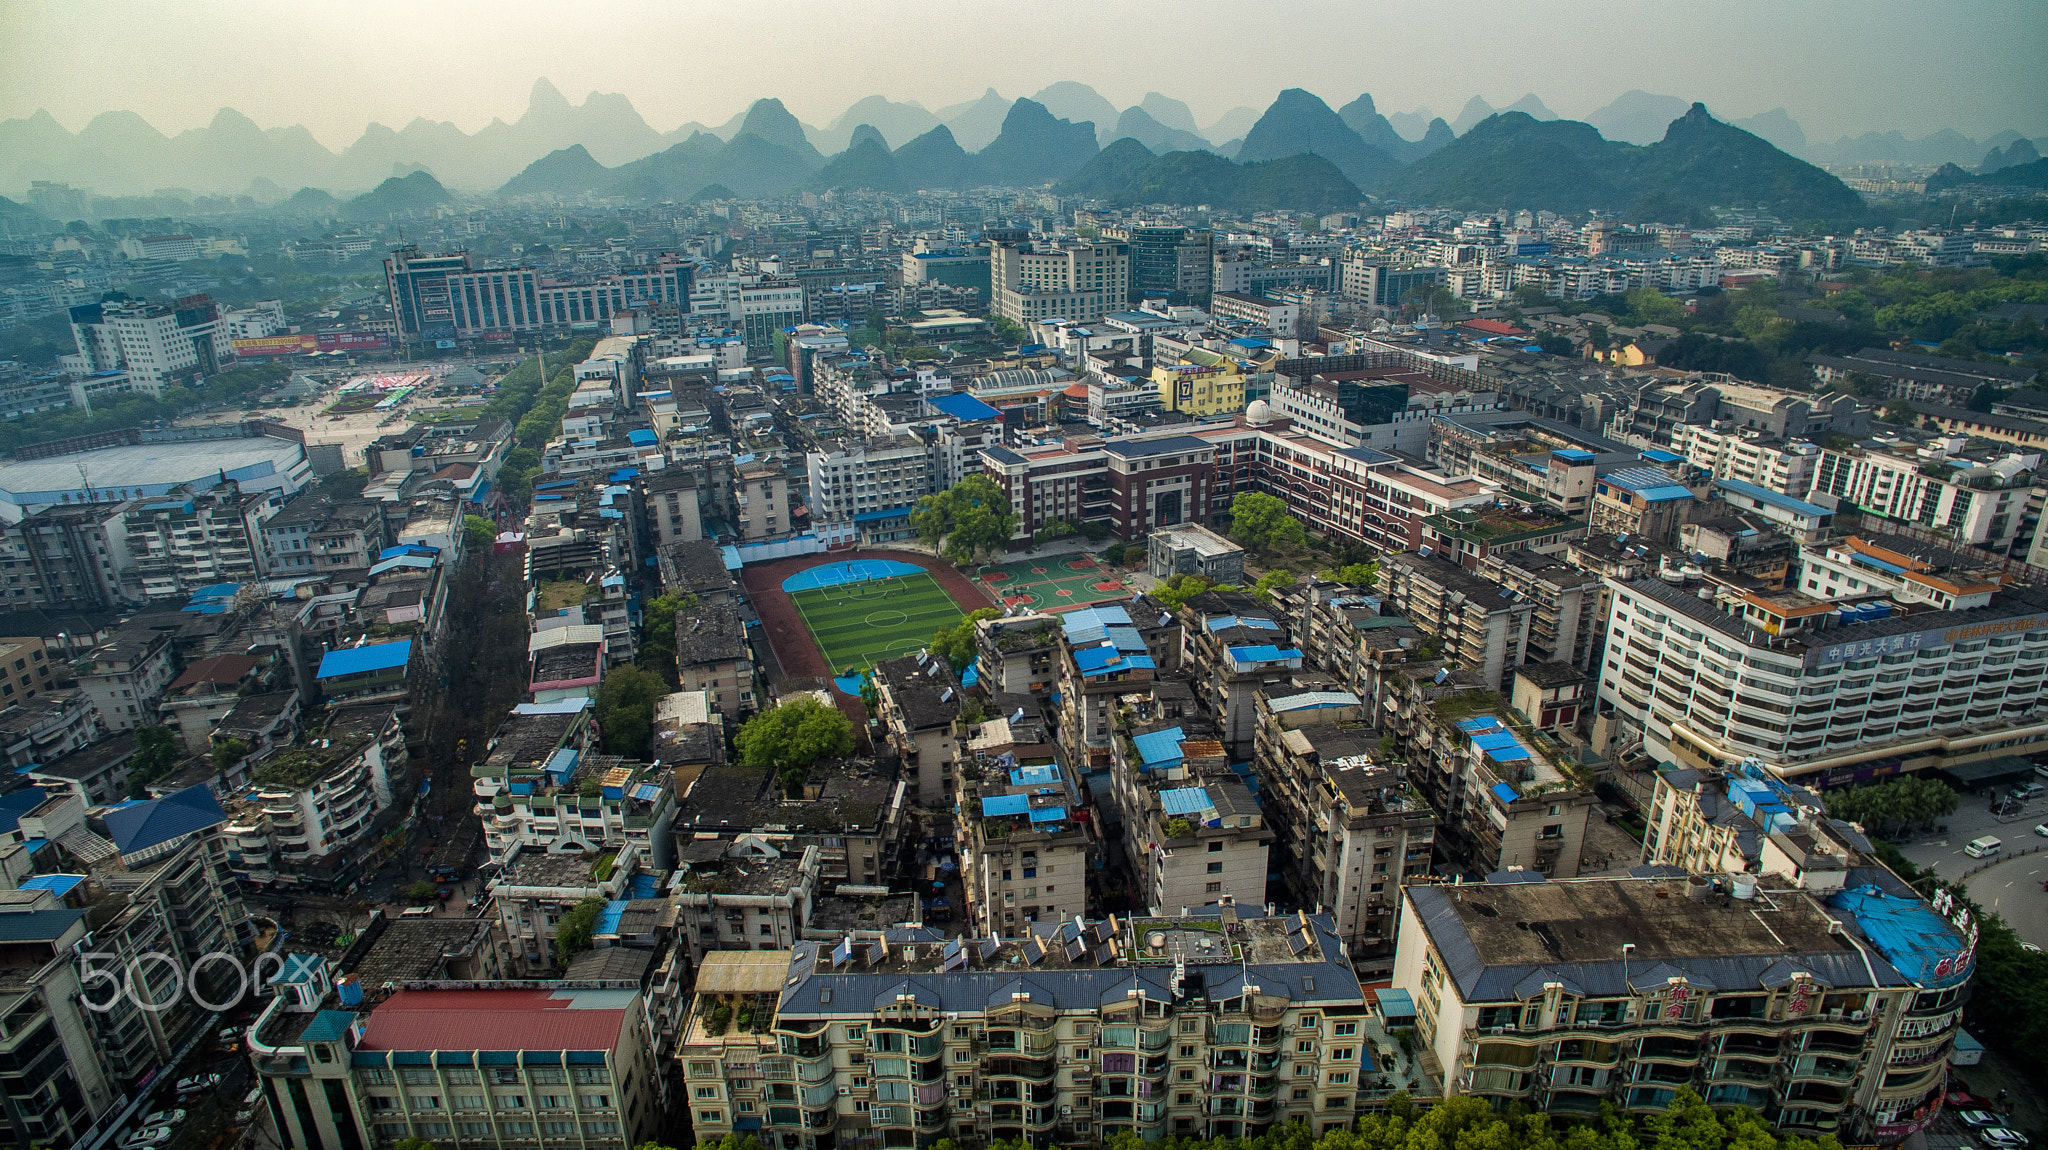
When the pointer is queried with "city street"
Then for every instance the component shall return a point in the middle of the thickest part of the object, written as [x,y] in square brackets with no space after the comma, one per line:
[2011,887]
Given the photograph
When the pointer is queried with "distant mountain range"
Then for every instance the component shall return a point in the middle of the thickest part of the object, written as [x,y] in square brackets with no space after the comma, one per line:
[604,145]
[1513,159]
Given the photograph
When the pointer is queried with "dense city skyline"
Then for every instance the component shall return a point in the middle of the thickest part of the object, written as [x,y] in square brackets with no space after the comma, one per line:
[165,65]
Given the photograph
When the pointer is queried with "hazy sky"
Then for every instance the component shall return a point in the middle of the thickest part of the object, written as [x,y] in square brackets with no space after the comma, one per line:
[1838,66]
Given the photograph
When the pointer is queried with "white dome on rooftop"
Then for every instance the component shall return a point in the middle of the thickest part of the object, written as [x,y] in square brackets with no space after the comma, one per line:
[1258,412]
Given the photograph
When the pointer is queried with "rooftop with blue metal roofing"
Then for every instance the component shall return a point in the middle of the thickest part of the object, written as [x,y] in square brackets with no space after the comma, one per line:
[963,407]
[1769,498]
[365,659]
[1650,484]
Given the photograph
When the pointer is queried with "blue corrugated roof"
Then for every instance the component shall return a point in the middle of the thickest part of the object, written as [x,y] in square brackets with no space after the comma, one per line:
[38,925]
[1048,814]
[1105,660]
[1266,653]
[1910,934]
[1659,455]
[1505,793]
[963,407]
[641,437]
[1042,774]
[874,516]
[1574,455]
[1159,748]
[1005,805]
[58,884]
[358,660]
[1185,800]
[608,919]
[21,802]
[1771,498]
[328,1026]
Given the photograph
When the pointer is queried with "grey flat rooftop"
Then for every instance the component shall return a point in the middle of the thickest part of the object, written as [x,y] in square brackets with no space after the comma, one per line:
[155,468]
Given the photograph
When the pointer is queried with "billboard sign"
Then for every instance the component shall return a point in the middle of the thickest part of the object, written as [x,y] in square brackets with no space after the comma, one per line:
[277,345]
[353,341]
[1914,641]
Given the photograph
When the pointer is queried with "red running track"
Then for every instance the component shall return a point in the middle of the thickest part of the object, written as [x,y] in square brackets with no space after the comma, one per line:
[791,641]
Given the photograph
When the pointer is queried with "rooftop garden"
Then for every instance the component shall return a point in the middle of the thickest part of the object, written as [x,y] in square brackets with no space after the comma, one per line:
[557,594]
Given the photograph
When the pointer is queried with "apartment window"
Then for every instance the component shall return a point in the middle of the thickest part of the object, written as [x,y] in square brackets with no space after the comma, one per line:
[1305,1046]
[707,1092]
[511,1101]
[469,1102]
[1344,1029]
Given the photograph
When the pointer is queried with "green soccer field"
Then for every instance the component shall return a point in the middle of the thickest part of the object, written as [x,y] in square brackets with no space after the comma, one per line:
[860,624]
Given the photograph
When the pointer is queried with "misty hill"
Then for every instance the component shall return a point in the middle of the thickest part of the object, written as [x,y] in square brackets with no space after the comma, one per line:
[1070,100]
[867,164]
[399,196]
[977,122]
[1170,113]
[314,202]
[2032,175]
[1477,109]
[1137,124]
[1232,125]
[2011,156]
[1034,147]
[1298,122]
[1944,147]
[23,216]
[1515,160]
[1127,173]
[770,122]
[566,172]
[1778,127]
[898,123]
[1377,132]
[1637,117]
[936,160]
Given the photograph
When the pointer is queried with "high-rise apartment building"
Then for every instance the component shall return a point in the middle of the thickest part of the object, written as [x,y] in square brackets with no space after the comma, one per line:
[157,345]
[1809,689]
[1074,280]
[422,299]
[1171,262]
[1825,1011]
[1195,1025]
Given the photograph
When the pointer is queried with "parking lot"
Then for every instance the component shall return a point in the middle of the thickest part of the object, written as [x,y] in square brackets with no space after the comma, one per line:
[210,1113]
[2012,885]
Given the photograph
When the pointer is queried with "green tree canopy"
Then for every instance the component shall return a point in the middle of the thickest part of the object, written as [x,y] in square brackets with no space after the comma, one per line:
[1175,590]
[1355,574]
[956,642]
[1261,522]
[478,532]
[625,708]
[658,633]
[156,755]
[792,735]
[969,519]
[573,930]
[1270,582]
[1888,808]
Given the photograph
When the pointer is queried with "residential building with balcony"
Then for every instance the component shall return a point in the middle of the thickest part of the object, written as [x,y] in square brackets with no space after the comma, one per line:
[1569,622]
[1813,689]
[537,744]
[204,536]
[1645,502]
[575,799]
[1073,1034]
[62,1085]
[1823,1011]
[1192,549]
[1026,838]
[1353,831]
[47,727]
[1019,654]
[1898,568]
[374,672]
[852,810]
[1471,619]
[1192,833]
[712,655]
[920,699]
[314,533]
[1979,499]
[203,694]
[311,809]
[535,886]
[126,676]
[1785,466]
[1506,794]
[458,1063]
[1234,647]
[743,895]
[1103,656]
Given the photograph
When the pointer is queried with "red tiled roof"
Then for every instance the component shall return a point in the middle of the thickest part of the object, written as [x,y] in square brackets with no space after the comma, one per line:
[490,1020]
[1491,327]
[1077,391]
[221,670]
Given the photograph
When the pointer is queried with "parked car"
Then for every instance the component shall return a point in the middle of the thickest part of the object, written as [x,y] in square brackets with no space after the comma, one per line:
[147,1138]
[2003,1137]
[1977,1119]
[197,1083]
[164,1118]
[2041,829]
[2028,791]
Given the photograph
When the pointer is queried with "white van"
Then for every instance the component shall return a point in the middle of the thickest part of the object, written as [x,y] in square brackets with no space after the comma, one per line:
[1979,848]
